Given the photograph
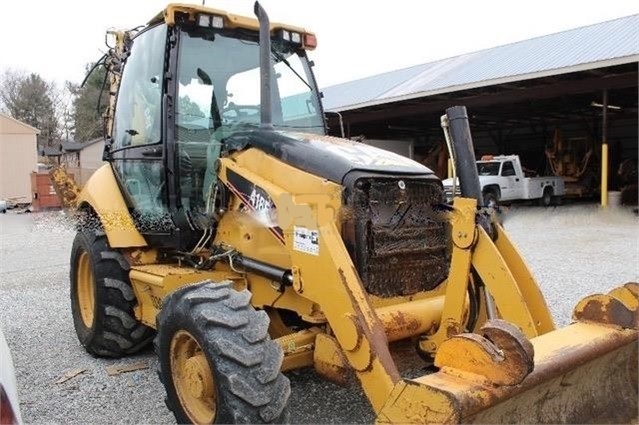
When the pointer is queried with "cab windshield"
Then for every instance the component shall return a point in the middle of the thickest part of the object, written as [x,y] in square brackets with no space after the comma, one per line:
[219,85]
[219,94]
[488,168]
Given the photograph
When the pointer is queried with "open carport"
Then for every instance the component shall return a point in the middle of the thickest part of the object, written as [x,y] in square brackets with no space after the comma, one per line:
[576,88]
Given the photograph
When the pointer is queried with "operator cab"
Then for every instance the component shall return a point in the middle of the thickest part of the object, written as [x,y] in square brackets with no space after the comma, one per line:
[191,81]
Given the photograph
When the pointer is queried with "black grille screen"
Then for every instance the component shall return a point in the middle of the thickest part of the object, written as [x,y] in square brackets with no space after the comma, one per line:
[398,244]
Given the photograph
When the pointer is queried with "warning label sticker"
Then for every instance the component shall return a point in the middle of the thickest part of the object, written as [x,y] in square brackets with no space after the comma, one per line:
[305,240]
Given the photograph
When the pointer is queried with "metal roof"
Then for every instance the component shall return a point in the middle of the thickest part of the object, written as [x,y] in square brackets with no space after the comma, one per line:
[51,151]
[78,146]
[599,45]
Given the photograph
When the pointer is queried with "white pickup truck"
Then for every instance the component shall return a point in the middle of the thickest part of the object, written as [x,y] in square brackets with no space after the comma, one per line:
[502,179]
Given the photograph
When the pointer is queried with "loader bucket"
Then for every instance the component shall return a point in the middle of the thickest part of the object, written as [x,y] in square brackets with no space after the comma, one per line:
[591,379]
[583,373]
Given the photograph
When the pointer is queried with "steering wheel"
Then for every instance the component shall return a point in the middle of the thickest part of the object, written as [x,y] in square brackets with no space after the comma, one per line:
[233,112]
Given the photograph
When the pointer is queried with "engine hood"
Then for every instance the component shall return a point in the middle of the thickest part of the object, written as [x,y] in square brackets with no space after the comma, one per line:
[330,157]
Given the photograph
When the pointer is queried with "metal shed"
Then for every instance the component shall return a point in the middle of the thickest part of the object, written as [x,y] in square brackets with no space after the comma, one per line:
[18,158]
[520,96]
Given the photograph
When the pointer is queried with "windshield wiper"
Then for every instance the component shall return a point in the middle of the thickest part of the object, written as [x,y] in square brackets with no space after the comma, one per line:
[281,58]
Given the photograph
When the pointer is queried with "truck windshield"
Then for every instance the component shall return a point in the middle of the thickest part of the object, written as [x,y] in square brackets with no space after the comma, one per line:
[488,168]
[219,85]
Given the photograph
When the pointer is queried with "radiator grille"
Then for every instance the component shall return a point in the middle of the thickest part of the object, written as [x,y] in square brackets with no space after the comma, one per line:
[398,243]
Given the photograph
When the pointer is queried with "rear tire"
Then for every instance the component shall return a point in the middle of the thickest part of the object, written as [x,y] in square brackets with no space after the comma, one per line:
[102,299]
[546,199]
[216,359]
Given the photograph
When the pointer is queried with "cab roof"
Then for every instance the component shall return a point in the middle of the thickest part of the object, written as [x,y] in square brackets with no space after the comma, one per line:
[173,10]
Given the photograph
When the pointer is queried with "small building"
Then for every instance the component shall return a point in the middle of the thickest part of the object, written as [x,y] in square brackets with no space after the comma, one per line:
[18,158]
[53,154]
[79,158]
[82,159]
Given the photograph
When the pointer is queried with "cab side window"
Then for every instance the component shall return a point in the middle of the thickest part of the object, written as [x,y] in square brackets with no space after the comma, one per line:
[138,113]
[508,169]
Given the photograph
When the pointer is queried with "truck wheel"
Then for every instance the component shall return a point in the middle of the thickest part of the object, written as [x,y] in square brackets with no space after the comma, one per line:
[546,199]
[216,359]
[102,299]
[490,200]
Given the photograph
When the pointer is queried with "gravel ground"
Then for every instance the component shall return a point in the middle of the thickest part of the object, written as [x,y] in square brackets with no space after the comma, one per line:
[573,251]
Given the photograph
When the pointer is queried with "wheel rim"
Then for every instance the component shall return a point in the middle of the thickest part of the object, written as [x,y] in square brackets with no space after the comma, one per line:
[86,289]
[193,379]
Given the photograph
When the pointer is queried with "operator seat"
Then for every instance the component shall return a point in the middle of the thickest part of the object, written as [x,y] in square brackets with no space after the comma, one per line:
[192,145]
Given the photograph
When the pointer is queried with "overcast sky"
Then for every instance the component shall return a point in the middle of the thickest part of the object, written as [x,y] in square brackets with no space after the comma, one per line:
[356,38]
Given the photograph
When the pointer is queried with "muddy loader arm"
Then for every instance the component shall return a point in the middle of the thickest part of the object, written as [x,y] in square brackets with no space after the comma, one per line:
[500,373]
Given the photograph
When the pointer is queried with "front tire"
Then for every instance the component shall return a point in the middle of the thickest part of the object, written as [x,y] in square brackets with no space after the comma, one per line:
[490,200]
[102,299]
[217,361]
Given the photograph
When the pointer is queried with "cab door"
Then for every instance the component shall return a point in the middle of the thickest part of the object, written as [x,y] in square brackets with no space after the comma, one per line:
[137,152]
[511,184]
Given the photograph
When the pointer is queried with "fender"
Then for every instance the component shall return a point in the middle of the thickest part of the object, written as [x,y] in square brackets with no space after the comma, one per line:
[491,186]
[103,195]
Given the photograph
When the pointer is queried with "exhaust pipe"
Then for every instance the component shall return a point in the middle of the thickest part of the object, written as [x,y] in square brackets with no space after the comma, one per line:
[469,185]
[266,112]
[465,163]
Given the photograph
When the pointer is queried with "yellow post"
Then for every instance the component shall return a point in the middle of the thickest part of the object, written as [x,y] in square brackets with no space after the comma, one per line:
[450,168]
[604,175]
[604,151]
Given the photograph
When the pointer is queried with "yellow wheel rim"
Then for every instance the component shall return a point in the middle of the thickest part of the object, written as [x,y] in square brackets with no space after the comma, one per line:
[85,289]
[193,379]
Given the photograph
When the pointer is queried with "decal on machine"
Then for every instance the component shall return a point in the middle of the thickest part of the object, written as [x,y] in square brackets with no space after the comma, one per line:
[306,240]
[257,200]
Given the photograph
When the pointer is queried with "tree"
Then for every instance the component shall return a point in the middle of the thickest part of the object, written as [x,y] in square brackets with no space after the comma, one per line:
[89,104]
[189,109]
[9,85]
[32,100]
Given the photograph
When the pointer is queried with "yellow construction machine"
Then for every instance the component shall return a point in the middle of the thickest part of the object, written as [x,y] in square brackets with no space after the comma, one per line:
[231,231]
[572,158]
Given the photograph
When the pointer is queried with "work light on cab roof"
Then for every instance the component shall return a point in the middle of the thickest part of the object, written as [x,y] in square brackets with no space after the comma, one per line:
[287,35]
[210,21]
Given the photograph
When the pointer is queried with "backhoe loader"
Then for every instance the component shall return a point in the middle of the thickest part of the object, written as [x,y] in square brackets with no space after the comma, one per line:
[230,231]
